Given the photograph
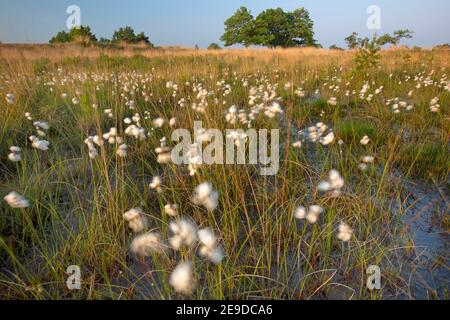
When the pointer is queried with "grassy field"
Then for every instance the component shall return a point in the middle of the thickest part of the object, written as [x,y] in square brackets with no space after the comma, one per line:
[390,127]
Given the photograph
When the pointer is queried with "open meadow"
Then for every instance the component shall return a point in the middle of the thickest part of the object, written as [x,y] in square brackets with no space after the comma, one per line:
[88,180]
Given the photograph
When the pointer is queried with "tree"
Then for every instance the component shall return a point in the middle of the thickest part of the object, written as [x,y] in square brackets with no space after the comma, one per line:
[302,28]
[127,34]
[141,37]
[367,49]
[386,39]
[335,47]
[402,34]
[61,37]
[396,38]
[214,46]
[238,28]
[274,27]
[352,40]
[104,41]
[271,28]
[80,34]
[367,54]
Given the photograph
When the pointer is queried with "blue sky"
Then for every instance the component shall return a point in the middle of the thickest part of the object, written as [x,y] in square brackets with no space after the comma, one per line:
[191,22]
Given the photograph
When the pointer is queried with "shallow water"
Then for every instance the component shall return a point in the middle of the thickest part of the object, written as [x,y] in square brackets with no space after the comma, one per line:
[426,269]
[429,272]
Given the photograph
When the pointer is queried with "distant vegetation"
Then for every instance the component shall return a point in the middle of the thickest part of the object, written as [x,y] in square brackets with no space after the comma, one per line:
[78,35]
[128,35]
[354,42]
[214,46]
[271,28]
[84,35]
[442,46]
[335,47]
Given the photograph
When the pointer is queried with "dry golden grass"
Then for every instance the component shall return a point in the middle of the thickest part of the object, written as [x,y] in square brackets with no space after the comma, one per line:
[283,58]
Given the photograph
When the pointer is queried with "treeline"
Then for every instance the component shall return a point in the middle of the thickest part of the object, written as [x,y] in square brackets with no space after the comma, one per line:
[271,28]
[84,35]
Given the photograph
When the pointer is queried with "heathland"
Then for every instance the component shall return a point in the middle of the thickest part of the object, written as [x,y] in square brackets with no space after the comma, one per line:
[87,177]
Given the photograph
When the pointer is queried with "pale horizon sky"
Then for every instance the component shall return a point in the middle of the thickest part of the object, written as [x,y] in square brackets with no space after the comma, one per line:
[200,22]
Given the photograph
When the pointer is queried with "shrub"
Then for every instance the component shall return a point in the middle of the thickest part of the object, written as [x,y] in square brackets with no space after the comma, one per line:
[128,35]
[214,46]
[335,47]
[81,34]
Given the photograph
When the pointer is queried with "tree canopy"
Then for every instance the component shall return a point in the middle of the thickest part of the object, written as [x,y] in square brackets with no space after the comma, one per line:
[127,34]
[271,28]
[214,46]
[238,28]
[335,47]
[79,34]
[353,41]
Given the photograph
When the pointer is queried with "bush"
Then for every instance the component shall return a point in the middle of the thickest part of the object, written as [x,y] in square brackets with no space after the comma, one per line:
[81,34]
[335,47]
[128,35]
[214,46]
[367,49]
[444,46]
